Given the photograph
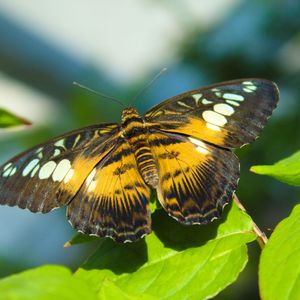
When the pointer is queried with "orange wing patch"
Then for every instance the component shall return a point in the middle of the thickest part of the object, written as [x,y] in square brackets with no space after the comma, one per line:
[200,129]
[196,179]
[114,200]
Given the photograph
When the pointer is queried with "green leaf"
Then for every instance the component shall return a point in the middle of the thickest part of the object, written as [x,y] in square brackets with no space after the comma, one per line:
[175,261]
[47,282]
[109,291]
[286,170]
[7,119]
[154,203]
[279,269]
[80,238]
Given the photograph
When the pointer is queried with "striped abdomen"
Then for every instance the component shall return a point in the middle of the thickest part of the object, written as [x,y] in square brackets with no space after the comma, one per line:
[146,163]
[136,134]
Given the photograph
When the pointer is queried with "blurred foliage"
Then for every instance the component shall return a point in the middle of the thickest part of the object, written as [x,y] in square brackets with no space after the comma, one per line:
[256,39]
[7,119]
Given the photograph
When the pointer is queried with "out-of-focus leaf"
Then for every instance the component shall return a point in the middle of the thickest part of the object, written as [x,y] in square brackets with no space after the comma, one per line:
[175,261]
[286,170]
[279,268]
[47,282]
[7,119]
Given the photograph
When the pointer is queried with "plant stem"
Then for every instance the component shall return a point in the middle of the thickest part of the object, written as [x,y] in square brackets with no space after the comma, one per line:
[261,237]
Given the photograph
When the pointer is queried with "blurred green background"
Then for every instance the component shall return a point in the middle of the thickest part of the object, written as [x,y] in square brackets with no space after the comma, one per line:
[116,47]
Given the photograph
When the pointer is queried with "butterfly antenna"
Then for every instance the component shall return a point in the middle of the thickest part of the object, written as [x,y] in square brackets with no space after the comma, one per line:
[97,93]
[148,85]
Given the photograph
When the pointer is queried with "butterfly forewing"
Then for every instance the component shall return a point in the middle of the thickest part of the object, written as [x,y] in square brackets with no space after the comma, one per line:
[196,179]
[114,199]
[49,175]
[228,114]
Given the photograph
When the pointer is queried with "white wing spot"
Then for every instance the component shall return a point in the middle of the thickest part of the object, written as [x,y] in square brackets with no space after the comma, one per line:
[76,141]
[92,186]
[249,87]
[60,143]
[69,176]
[7,172]
[61,170]
[47,169]
[233,103]
[10,171]
[90,182]
[201,147]
[195,141]
[236,97]
[197,97]
[214,118]
[31,165]
[213,127]
[13,171]
[34,170]
[205,101]
[39,150]
[56,152]
[91,177]
[202,150]
[217,92]
[7,166]
[223,109]
[183,104]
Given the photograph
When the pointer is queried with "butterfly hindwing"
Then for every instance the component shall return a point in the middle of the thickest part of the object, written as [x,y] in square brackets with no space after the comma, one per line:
[196,179]
[49,175]
[114,199]
[228,114]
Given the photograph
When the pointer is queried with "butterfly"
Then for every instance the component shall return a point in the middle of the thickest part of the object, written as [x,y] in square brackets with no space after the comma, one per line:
[181,147]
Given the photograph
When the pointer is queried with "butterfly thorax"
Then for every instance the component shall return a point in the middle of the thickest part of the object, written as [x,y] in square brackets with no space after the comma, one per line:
[135,131]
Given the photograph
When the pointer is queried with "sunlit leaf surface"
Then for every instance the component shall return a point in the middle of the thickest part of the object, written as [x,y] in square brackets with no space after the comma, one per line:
[286,170]
[175,261]
[279,271]
[47,283]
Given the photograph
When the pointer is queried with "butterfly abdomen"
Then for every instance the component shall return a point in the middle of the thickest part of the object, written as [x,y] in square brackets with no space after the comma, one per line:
[135,132]
[146,163]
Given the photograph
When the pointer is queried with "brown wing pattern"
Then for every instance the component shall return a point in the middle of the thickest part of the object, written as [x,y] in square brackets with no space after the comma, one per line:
[228,114]
[114,199]
[49,175]
[196,179]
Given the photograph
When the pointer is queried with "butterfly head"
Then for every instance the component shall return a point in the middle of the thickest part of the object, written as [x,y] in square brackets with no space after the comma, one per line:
[129,113]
